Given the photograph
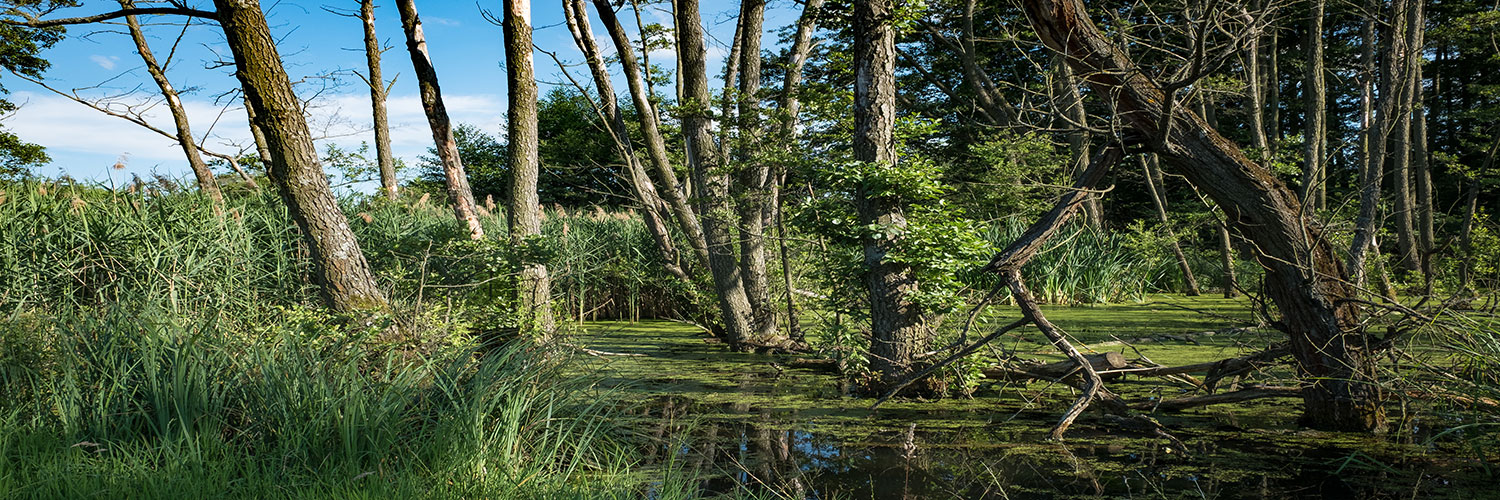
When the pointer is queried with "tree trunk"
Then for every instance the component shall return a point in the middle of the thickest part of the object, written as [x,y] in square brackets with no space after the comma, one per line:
[1157,185]
[383,156]
[652,206]
[1421,170]
[457,181]
[1226,244]
[754,186]
[205,176]
[1303,276]
[651,135]
[790,107]
[523,213]
[1315,108]
[896,329]
[710,182]
[343,275]
[262,148]
[1226,252]
[1253,87]
[1078,142]
[1376,133]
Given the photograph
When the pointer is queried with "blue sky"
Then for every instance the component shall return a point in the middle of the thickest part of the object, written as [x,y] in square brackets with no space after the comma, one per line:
[100,61]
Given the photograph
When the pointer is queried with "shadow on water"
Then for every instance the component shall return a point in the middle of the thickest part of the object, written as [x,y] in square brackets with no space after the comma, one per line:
[743,423]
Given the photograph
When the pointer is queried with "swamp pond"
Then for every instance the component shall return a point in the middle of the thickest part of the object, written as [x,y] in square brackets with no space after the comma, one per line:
[749,423]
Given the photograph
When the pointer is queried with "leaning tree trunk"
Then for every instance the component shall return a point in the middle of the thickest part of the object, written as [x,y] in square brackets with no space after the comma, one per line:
[457,181]
[651,134]
[343,275]
[654,210]
[896,329]
[523,212]
[1303,276]
[1157,184]
[709,180]
[206,181]
[378,92]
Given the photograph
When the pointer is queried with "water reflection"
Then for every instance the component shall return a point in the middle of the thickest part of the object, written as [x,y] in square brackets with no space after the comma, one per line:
[739,448]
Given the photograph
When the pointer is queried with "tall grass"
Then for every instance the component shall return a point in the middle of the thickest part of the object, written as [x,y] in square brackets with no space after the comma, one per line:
[1080,265]
[63,244]
[153,348]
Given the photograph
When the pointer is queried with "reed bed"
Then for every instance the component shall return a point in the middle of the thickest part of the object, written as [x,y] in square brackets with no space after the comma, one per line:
[153,346]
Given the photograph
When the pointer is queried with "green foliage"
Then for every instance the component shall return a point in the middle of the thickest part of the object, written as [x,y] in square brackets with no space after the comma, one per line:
[1007,174]
[484,160]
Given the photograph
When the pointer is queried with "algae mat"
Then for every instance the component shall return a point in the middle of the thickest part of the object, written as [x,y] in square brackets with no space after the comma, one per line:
[747,423]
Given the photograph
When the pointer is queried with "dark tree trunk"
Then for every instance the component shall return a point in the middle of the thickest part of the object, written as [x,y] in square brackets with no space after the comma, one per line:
[457,181]
[523,213]
[709,180]
[1303,276]
[343,276]
[896,328]
[376,81]
[205,176]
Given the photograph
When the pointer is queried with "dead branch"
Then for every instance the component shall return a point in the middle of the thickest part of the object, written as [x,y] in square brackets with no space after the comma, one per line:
[1247,394]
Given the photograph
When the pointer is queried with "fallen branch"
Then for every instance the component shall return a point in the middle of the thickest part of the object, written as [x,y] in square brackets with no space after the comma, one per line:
[1109,362]
[1247,394]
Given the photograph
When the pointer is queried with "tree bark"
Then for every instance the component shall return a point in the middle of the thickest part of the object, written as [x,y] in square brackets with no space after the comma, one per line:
[1156,184]
[1421,172]
[1314,189]
[652,206]
[205,176]
[457,181]
[754,193]
[343,275]
[1226,252]
[651,135]
[534,291]
[897,331]
[1303,276]
[1376,133]
[1253,86]
[709,180]
[383,156]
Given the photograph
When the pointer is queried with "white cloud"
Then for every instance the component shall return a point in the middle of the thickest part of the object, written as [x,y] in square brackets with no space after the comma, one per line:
[86,142]
[441,21]
[106,62]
